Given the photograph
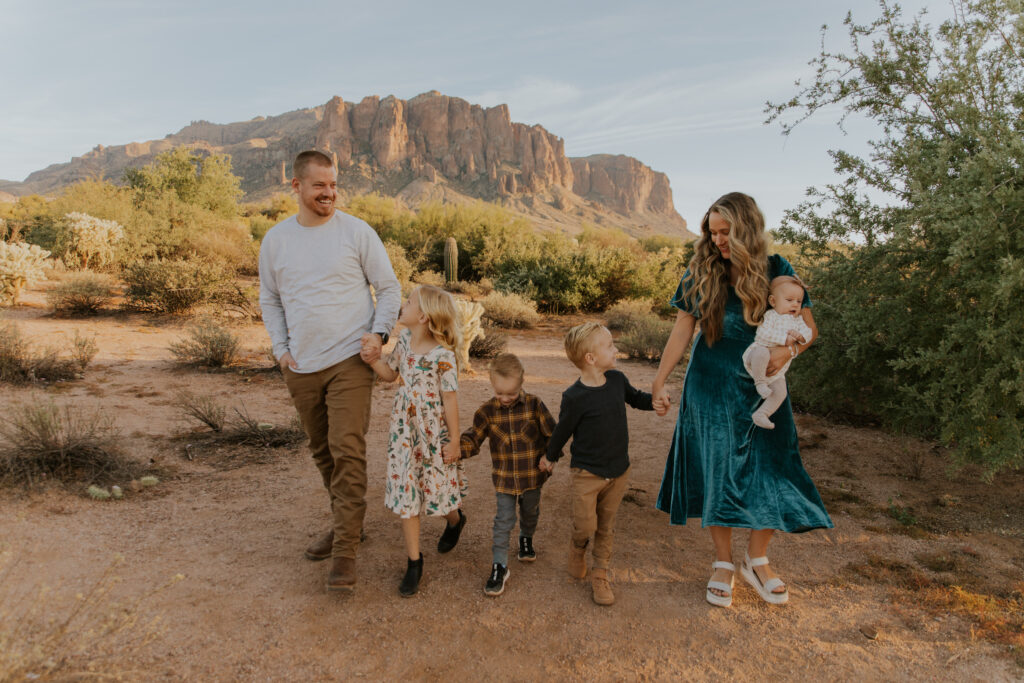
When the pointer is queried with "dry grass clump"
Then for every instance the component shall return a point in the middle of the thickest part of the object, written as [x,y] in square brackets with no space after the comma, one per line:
[207,344]
[81,294]
[490,345]
[240,429]
[510,310]
[627,312]
[45,636]
[43,442]
[645,338]
[21,364]
[202,408]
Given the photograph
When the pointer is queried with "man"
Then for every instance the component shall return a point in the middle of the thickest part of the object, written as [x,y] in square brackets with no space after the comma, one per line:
[316,270]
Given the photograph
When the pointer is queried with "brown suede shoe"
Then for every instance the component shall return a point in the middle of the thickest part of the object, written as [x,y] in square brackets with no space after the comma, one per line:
[602,588]
[321,548]
[577,560]
[343,575]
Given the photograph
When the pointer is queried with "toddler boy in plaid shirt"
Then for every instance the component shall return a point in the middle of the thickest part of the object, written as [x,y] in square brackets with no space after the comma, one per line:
[782,326]
[518,425]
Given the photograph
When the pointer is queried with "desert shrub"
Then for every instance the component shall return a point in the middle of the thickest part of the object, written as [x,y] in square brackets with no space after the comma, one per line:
[81,294]
[241,300]
[91,241]
[494,342]
[429,277]
[45,442]
[20,265]
[645,338]
[207,344]
[656,243]
[915,256]
[657,275]
[259,225]
[202,408]
[403,269]
[510,310]
[172,287]
[20,363]
[626,312]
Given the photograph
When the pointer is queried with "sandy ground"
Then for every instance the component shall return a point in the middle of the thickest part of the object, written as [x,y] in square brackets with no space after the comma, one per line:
[250,607]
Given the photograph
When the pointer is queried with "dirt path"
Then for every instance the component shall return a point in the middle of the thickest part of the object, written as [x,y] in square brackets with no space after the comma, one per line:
[250,607]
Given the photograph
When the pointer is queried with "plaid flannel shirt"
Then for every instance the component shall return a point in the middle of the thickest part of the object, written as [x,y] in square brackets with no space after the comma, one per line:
[518,437]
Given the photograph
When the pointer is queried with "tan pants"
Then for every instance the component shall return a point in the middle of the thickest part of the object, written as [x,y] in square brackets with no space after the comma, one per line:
[595,500]
[334,407]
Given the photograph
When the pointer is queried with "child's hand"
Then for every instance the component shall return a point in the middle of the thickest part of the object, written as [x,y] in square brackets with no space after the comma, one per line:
[370,348]
[545,465]
[450,453]
[794,337]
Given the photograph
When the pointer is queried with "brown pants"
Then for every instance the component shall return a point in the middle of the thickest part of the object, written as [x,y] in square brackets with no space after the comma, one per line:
[595,500]
[334,407]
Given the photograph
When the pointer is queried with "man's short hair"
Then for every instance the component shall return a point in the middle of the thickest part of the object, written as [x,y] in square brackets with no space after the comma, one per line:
[579,341]
[310,156]
[507,365]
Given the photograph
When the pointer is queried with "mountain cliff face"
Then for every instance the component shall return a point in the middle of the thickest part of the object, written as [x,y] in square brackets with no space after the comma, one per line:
[427,148]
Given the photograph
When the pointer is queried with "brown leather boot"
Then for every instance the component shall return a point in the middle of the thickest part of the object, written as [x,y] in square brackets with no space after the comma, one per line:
[602,587]
[578,560]
[320,549]
[343,575]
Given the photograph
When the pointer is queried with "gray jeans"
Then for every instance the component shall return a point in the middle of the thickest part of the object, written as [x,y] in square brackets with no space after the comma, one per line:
[505,520]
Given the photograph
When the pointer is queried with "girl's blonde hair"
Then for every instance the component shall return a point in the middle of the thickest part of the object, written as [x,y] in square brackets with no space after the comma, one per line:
[443,318]
[706,286]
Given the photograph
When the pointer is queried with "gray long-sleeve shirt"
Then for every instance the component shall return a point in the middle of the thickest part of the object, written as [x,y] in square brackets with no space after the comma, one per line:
[315,289]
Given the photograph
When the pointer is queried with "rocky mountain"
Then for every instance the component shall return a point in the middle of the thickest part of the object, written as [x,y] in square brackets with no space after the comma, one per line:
[431,147]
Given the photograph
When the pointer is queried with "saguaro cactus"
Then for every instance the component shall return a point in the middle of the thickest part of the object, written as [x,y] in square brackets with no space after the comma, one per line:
[451,260]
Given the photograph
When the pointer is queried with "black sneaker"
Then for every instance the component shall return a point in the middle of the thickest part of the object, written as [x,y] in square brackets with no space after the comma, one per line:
[450,538]
[526,551]
[495,585]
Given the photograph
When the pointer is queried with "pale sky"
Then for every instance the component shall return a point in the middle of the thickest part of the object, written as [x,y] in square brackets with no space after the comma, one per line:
[680,85]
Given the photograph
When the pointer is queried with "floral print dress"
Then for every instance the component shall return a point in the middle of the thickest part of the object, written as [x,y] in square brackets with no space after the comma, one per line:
[418,480]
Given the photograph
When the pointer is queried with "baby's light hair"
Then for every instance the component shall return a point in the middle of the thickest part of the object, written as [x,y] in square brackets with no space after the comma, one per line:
[507,365]
[786,280]
[443,319]
[578,342]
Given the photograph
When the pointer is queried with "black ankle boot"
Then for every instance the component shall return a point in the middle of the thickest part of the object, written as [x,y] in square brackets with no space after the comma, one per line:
[411,581]
[450,538]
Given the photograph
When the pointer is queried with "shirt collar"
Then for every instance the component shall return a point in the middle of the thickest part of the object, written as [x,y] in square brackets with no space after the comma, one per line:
[519,399]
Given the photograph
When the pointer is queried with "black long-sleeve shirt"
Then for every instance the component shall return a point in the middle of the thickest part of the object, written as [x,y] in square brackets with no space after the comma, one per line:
[595,418]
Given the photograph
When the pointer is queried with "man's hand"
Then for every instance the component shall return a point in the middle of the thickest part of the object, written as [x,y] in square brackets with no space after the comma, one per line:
[371,346]
[286,361]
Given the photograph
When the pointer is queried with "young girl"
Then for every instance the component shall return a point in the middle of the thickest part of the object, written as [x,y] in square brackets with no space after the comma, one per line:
[423,473]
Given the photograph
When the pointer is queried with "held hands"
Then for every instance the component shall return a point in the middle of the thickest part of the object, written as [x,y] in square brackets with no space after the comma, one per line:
[545,465]
[450,452]
[370,350]
[661,400]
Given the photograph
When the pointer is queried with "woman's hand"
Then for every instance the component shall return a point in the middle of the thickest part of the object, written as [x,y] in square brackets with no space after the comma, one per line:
[545,465]
[450,453]
[660,398]
[779,356]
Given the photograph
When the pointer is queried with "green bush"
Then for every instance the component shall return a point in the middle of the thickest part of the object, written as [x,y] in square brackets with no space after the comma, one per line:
[510,310]
[627,312]
[207,344]
[400,264]
[915,257]
[172,287]
[645,338]
[81,294]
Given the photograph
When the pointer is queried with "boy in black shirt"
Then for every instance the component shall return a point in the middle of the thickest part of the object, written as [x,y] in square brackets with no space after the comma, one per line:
[593,413]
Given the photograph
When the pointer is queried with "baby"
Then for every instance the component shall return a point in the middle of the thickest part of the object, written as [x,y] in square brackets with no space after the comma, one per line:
[782,326]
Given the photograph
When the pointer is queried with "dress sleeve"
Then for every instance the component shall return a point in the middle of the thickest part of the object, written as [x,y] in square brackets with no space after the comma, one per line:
[680,300]
[778,265]
[394,359]
[446,371]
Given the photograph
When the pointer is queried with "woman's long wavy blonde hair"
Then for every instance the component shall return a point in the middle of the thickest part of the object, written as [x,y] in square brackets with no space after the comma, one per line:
[443,318]
[707,285]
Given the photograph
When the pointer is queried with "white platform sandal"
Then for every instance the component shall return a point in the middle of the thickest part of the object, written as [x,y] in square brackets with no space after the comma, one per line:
[721,600]
[765,589]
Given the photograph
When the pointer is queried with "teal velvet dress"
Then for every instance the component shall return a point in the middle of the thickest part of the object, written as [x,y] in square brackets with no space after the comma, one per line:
[721,467]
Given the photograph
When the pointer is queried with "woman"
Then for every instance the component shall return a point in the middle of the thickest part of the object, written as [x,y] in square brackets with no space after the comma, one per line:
[721,467]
